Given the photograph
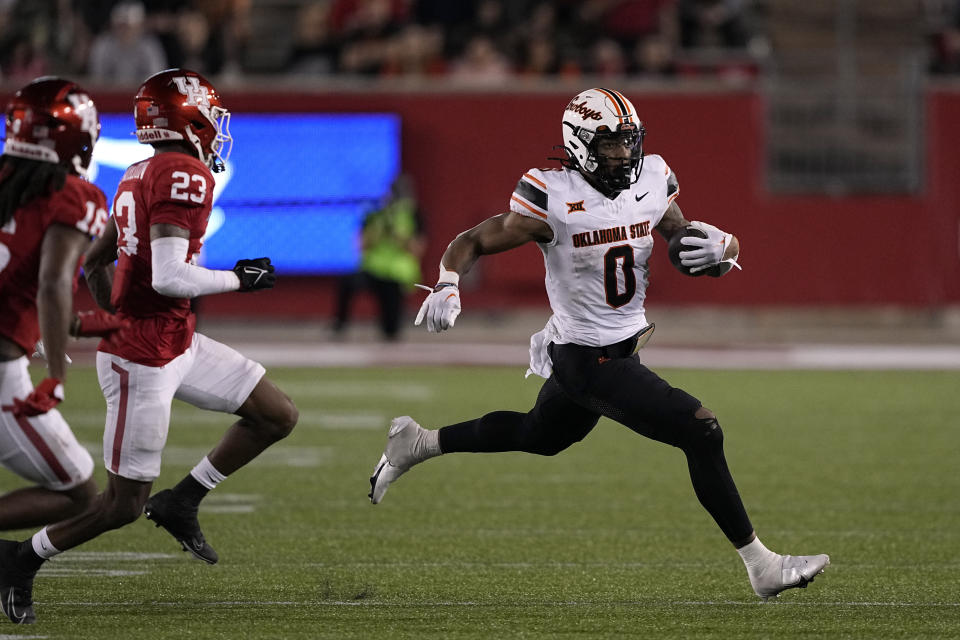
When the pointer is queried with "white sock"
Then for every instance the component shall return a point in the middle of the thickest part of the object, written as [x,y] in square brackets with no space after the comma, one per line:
[756,556]
[429,445]
[42,545]
[206,474]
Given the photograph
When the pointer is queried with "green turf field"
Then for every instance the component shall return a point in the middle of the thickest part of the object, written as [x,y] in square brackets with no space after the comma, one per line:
[605,540]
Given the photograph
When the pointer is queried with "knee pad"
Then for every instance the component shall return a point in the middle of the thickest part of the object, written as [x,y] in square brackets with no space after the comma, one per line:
[700,433]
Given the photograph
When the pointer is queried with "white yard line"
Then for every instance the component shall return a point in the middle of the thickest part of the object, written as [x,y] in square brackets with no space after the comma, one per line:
[524,604]
[183,417]
[794,356]
[363,389]
[514,354]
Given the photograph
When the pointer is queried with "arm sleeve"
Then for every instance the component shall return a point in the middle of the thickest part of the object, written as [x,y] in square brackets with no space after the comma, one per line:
[175,277]
[673,186]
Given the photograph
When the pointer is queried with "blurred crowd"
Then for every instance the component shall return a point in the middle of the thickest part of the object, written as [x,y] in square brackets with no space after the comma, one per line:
[489,40]
[120,41]
[942,21]
[123,41]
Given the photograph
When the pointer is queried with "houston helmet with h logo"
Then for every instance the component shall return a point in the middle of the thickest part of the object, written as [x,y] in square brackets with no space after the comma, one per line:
[178,104]
[52,120]
[603,115]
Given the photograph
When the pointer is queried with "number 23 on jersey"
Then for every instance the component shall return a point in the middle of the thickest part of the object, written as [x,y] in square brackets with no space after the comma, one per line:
[124,207]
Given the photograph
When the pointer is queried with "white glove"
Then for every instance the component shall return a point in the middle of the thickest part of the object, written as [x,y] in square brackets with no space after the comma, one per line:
[709,251]
[441,307]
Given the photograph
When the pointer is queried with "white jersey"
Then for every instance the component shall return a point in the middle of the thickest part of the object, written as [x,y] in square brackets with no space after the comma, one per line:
[596,264]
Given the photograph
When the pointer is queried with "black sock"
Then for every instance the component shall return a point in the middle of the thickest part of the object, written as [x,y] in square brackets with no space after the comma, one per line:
[27,558]
[190,491]
[494,432]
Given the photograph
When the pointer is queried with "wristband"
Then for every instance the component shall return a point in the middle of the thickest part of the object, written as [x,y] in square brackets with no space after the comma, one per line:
[448,277]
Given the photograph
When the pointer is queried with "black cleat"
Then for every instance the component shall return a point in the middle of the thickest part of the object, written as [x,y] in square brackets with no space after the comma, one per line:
[180,521]
[16,585]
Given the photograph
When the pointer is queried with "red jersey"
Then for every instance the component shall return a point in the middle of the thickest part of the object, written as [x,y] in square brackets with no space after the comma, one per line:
[169,188]
[78,204]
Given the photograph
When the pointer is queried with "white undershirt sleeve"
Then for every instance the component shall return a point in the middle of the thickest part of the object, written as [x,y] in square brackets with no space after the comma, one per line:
[175,277]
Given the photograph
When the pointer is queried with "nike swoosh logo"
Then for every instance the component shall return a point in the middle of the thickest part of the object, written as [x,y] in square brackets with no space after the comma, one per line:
[260,272]
[13,611]
[375,477]
[639,198]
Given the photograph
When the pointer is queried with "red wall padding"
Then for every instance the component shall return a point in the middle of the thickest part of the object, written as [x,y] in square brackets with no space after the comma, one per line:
[466,152]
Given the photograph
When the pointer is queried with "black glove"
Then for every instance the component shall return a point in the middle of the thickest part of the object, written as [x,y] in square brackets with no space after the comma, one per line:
[255,274]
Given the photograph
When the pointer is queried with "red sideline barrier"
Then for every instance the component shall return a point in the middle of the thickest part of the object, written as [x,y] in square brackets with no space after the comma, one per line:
[467,151]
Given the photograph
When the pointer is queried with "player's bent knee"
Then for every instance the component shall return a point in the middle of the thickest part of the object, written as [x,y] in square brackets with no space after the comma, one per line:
[270,412]
[701,433]
[712,434]
[550,445]
[287,419]
[83,494]
[547,448]
[281,419]
[118,513]
[278,422]
[704,414]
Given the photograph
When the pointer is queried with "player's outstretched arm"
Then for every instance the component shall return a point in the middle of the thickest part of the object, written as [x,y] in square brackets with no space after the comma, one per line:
[494,235]
[172,273]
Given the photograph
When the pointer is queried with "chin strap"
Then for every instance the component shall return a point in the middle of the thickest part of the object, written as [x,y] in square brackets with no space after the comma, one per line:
[194,139]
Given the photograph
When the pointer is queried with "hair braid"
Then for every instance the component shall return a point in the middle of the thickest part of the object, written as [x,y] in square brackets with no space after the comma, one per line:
[22,180]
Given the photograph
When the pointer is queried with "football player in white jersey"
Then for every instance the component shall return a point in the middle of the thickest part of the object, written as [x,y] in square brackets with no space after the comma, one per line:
[593,220]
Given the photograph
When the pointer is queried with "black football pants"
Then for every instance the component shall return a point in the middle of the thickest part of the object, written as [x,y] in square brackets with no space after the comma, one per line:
[589,382]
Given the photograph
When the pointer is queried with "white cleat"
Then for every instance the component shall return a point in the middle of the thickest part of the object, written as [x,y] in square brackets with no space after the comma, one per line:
[405,448]
[788,572]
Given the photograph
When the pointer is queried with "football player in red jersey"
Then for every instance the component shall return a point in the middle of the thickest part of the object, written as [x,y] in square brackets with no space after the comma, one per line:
[159,217]
[48,214]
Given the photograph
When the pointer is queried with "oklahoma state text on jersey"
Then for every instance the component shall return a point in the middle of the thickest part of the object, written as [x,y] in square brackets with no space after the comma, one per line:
[79,204]
[169,188]
[596,265]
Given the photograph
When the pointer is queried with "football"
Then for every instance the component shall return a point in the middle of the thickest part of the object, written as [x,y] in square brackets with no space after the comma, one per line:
[675,247]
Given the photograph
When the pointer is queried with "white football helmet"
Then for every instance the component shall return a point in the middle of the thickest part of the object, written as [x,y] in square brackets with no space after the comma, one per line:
[589,117]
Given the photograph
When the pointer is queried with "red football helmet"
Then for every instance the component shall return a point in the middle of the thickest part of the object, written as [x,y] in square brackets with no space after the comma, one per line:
[53,120]
[178,104]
